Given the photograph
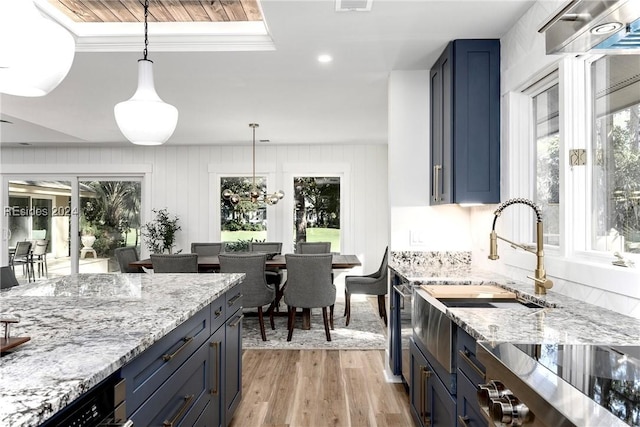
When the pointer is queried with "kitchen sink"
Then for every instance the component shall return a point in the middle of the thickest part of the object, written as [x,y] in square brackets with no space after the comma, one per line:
[488,303]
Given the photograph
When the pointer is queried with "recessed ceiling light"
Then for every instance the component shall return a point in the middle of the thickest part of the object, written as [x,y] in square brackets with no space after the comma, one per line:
[324,58]
[606,28]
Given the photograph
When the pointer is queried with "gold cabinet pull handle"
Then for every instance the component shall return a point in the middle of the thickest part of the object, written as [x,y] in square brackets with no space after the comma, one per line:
[462,421]
[187,402]
[465,357]
[216,368]
[218,312]
[436,182]
[235,322]
[424,396]
[186,341]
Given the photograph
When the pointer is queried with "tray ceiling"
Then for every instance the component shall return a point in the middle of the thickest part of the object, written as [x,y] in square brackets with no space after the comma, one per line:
[160,10]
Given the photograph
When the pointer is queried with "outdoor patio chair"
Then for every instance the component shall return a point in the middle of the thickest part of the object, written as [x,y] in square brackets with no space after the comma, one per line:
[39,258]
[371,284]
[22,256]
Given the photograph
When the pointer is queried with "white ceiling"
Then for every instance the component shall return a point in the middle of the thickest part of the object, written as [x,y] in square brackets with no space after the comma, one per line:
[294,98]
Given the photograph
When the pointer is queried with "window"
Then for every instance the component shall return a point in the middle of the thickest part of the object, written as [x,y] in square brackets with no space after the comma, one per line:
[615,224]
[547,141]
[245,220]
[317,210]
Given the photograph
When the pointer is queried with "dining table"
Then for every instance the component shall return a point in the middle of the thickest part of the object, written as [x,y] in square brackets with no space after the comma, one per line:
[212,262]
[205,263]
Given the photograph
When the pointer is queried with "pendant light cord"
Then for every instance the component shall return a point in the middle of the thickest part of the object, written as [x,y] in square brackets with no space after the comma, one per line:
[146,38]
[254,125]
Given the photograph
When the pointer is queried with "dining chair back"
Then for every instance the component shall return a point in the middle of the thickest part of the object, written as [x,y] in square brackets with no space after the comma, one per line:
[274,276]
[22,256]
[371,284]
[309,285]
[207,249]
[174,263]
[7,278]
[266,247]
[256,292]
[313,247]
[39,257]
[125,256]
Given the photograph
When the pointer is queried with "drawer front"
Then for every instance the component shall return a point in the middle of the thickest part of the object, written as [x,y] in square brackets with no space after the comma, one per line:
[466,357]
[182,398]
[218,313]
[152,368]
[234,300]
[469,413]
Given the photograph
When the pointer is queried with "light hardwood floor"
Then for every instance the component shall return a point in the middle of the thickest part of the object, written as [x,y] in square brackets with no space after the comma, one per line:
[318,388]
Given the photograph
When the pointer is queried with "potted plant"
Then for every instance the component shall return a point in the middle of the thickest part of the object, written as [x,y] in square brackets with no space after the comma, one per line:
[160,233]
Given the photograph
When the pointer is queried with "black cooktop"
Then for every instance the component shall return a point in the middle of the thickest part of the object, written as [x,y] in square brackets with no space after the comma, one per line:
[610,375]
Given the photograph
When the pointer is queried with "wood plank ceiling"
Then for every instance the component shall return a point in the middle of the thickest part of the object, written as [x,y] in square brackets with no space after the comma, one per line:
[160,10]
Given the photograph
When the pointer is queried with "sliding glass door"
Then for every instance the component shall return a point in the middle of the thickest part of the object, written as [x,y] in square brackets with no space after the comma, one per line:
[82,219]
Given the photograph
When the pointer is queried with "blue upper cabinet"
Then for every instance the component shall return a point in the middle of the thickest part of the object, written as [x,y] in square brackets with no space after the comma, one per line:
[465,123]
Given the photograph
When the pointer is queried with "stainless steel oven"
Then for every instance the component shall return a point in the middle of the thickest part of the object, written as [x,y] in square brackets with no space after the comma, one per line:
[551,385]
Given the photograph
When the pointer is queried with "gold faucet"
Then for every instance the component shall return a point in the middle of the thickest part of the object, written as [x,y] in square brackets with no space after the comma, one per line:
[540,280]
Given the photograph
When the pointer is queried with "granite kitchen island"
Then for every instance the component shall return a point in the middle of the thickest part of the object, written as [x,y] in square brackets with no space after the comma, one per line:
[86,327]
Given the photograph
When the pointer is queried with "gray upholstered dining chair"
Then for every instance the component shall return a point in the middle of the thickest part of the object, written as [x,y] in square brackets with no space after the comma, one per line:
[207,249]
[274,277]
[309,285]
[371,284]
[174,263]
[256,292]
[125,256]
[7,278]
[313,247]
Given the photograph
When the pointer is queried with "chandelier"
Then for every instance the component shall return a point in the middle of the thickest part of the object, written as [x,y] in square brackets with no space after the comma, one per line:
[254,195]
[145,119]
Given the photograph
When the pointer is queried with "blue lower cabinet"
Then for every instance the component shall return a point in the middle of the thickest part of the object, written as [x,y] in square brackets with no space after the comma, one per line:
[431,403]
[182,398]
[469,414]
[214,416]
[193,376]
[233,364]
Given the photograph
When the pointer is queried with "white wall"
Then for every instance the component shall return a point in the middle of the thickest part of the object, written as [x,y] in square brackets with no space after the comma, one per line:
[180,182]
[416,226]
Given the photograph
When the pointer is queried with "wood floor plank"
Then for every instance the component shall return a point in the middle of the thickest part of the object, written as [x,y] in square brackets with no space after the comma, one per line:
[319,388]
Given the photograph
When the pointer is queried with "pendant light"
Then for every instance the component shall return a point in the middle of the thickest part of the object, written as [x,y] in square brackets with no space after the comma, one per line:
[254,195]
[145,119]
[35,52]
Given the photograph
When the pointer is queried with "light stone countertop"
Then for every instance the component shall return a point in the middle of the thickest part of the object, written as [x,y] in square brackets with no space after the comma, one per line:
[84,327]
[566,321]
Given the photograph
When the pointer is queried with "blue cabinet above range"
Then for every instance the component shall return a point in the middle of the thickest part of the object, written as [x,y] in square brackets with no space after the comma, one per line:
[465,123]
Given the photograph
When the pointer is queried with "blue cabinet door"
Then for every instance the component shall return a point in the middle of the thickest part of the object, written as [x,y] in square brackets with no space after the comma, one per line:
[233,364]
[465,123]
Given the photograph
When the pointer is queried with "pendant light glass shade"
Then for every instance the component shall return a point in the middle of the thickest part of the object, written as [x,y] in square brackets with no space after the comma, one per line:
[35,52]
[145,119]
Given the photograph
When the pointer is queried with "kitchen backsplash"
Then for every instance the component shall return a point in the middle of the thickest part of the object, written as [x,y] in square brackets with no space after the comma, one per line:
[435,258]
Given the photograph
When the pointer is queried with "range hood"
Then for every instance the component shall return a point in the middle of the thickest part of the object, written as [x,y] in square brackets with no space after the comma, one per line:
[582,26]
